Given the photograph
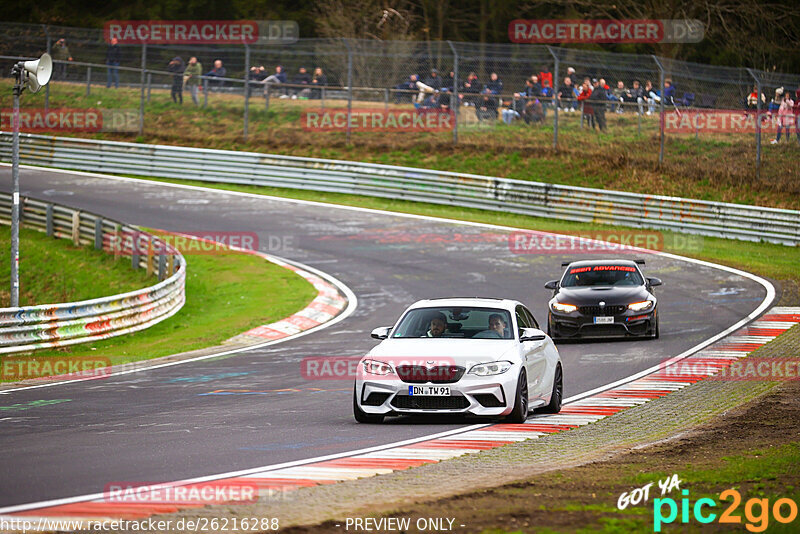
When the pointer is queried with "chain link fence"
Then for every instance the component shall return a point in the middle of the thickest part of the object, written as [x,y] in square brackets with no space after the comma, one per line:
[486,87]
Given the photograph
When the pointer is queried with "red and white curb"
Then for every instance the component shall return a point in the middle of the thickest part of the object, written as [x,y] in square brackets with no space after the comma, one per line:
[327,305]
[671,376]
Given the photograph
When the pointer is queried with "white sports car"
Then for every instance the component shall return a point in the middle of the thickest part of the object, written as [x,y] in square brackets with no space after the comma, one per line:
[481,356]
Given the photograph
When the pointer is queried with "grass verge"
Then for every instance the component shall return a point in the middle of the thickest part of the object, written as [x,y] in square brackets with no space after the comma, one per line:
[713,166]
[225,295]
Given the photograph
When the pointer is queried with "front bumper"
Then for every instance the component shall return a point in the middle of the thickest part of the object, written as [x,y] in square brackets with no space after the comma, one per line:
[482,396]
[577,325]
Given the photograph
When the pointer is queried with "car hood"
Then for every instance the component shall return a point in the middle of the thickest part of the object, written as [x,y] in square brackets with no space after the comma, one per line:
[445,350]
[588,296]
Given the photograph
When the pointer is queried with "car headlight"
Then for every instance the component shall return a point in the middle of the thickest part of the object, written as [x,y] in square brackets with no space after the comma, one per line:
[491,368]
[641,306]
[564,308]
[375,367]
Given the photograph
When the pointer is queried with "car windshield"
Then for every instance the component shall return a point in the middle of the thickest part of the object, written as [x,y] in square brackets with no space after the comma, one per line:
[602,275]
[455,322]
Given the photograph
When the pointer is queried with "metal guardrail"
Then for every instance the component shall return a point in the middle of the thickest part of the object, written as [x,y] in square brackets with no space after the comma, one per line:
[56,325]
[751,223]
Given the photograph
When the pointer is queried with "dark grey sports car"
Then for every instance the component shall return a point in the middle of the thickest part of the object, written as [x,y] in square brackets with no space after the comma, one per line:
[603,298]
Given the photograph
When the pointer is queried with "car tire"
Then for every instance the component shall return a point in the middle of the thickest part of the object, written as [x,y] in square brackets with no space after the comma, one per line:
[656,333]
[520,412]
[361,416]
[558,393]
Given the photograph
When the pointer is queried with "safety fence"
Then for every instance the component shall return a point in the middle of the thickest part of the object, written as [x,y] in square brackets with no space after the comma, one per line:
[56,325]
[751,223]
[373,74]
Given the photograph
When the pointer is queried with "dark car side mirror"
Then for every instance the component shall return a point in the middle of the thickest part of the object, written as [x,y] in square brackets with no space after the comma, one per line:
[653,282]
[552,284]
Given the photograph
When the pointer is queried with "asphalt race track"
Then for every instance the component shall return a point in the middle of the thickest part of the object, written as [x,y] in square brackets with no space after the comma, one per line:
[183,421]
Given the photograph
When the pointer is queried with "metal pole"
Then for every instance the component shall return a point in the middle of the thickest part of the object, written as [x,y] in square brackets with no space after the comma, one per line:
[15,190]
[141,88]
[149,85]
[47,87]
[349,87]
[555,99]
[205,92]
[661,112]
[246,89]
[455,106]
[386,99]
[88,81]
[758,122]
[266,96]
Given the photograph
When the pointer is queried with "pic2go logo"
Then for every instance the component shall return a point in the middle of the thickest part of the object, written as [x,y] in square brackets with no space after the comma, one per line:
[756,511]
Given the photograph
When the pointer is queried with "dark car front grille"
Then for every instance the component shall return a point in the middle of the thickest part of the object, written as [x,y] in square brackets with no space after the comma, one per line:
[601,330]
[376,399]
[602,310]
[441,374]
[430,403]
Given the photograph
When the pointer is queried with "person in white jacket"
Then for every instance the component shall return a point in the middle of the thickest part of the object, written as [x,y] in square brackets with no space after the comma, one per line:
[785,117]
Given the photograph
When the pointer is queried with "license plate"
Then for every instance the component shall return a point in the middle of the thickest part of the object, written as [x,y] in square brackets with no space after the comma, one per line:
[603,320]
[429,391]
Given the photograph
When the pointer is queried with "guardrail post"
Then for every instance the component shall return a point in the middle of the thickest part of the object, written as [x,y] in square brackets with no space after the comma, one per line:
[48,220]
[758,123]
[88,81]
[661,112]
[141,89]
[134,256]
[76,228]
[162,267]
[150,269]
[170,264]
[455,107]
[555,98]
[246,89]
[149,85]
[98,233]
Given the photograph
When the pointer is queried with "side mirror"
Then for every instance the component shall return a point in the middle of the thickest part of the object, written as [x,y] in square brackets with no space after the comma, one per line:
[552,284]
[531,334]
[653,282]
[381,332]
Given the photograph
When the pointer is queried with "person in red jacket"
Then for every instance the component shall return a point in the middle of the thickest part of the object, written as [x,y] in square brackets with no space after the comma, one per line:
[796,111]
[583,97]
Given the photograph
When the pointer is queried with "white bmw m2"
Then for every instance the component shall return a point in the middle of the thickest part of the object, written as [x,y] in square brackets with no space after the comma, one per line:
[478,356]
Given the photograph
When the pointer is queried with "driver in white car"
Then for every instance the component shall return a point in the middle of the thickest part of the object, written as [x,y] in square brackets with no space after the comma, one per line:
[438,326]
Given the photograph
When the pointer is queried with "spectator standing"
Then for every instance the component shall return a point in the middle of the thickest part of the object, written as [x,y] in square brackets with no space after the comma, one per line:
[487,107]
[583,97]
[537,85]
[796,112]
[571,75]
[113,59]
[752,99]
[320,80]
[176,66]
[599,97]
[775,103]
[217,72]
[191,77]
[546,76]
[785,117]
[301,78]
[61,54]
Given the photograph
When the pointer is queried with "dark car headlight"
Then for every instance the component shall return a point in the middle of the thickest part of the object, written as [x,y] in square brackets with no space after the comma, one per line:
[641,306]
[563,307]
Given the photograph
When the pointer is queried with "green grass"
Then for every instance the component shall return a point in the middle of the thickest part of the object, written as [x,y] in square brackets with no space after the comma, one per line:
[775,261]
[54,270]
[225,295]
